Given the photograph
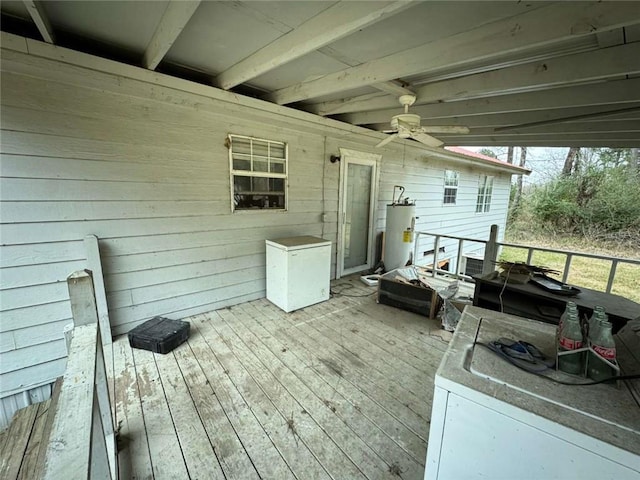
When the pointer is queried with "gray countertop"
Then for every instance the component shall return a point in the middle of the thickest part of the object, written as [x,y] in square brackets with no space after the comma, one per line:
[601,411]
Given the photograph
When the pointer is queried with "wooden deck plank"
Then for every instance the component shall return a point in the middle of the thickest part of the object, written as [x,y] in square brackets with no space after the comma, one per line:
[265,456]
[164,447]
[197,449]
[397,370]
[259,393]
[329,428]
[29,467]
[325,356]
[290,444]
[383,377]
[134,459]
[231,453]
[16,442]
[357,323]
[354,415]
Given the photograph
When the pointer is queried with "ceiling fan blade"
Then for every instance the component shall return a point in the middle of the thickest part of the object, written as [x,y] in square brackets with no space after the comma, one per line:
[387,140]
[426,139]
[444,129]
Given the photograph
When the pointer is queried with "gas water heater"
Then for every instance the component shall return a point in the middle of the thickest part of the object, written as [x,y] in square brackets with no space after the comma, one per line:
[401,222]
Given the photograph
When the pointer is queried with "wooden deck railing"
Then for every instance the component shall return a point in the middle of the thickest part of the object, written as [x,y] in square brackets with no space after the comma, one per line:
[492,247]
[82,442]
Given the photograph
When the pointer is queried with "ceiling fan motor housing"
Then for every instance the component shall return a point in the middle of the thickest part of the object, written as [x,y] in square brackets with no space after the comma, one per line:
[407,119]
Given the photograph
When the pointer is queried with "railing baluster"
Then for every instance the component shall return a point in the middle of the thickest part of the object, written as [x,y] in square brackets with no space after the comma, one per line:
[436,249]
[567,266]
[529,255]
[459,259]
[612,275]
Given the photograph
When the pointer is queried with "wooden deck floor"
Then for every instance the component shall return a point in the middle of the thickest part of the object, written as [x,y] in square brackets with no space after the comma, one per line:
[338,390]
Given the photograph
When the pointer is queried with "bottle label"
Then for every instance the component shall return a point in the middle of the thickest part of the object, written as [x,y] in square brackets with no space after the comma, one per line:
[570,344]
[608,353]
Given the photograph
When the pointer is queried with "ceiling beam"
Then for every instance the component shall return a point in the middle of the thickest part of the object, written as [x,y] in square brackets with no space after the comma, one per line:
[39,17]
[505,119]
[392,87]
[553,23]
[175,18]
[341,19]
[567,140]
[581,67]
[559,129]
[615,92]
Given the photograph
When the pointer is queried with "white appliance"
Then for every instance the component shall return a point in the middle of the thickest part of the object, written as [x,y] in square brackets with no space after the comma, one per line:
[492,420]
[398,241]
[298,271]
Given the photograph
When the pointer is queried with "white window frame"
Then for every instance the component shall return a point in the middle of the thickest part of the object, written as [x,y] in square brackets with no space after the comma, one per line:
[485,192]
[258,174]
[450,186]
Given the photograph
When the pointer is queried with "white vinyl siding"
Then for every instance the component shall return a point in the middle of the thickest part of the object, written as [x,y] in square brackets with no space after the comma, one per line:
[450,187]
[485,190]
[258,173]
[135,163]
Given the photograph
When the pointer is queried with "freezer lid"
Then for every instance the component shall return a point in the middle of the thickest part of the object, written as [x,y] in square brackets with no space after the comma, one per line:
[601,411]
[298,243]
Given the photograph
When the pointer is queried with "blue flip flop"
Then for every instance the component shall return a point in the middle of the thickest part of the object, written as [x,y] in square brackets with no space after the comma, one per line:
[517,354]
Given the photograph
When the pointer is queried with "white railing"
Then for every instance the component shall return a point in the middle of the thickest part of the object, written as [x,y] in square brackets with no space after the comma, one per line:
[492,247]
[82,442]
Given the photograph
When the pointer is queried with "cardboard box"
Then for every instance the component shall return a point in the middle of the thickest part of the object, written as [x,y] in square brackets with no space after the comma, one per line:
[407,296]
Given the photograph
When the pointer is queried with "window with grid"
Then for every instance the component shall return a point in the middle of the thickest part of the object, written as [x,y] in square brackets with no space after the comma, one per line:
[485,189]
[450,187]
[258,173]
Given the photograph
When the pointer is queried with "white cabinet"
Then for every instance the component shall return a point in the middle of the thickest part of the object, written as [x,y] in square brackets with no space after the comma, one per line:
[491,420]
[298,271]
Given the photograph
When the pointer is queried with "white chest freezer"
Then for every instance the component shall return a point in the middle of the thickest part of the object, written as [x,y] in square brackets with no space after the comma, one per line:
[492,420]
[298,271]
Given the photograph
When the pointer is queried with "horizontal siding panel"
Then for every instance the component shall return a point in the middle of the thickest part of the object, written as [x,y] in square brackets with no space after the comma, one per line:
[24,166]
[64,231]
[28,189]
[185,313]
[7,342]
[159,275]
[41,253]
[29,376]
[40,145]
[38,274]
[159,259]
[25,357]
[229,238]
[176,288]
[34,295]
[38,334]
[195,302]
[35,315]
[193,139]
[22,212]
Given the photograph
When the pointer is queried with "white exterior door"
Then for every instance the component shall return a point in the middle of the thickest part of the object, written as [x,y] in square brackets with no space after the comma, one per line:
[358,182]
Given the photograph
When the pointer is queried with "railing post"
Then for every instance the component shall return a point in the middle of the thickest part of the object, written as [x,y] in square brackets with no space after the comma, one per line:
[436,249]
[83,441]
[82,298]
[491,251]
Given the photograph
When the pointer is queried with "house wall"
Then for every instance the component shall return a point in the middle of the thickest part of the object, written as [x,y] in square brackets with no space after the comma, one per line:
[139,161]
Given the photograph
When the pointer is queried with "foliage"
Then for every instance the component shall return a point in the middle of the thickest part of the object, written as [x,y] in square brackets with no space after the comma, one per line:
[488,152]
[601,196]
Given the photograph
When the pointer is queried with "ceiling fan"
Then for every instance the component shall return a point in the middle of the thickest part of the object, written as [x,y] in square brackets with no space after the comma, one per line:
[407,125]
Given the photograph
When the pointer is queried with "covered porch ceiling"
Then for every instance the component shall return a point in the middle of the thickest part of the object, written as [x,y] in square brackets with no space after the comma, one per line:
[513,72]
